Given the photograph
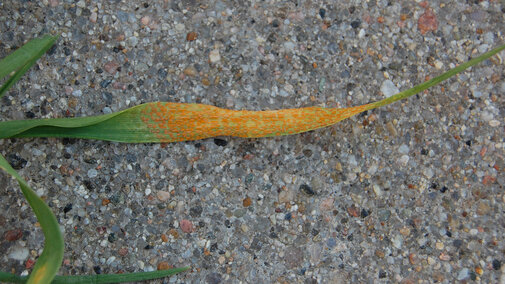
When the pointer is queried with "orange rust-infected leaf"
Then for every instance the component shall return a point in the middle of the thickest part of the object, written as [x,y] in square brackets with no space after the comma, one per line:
[164,122]
[172,122]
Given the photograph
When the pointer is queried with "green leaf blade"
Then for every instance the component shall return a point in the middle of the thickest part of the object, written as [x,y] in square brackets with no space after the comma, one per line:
[437,80]
[49,261]
[123,126]
[22,59]
[100,278]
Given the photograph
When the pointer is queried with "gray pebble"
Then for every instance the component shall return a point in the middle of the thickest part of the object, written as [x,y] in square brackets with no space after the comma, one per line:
[463,274]
[92,173]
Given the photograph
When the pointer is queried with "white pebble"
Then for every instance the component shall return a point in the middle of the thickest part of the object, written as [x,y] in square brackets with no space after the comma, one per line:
[431,260]
[361,33]
[494,123]
[214,56]
[286,196]
[377,190]
[486,116]
[428,173]
[93,17]
[180,27]
[289,88]
[388,88]
[397,241]
[404,160]
[19,253]
[274,221]
[110,260]
[163,195]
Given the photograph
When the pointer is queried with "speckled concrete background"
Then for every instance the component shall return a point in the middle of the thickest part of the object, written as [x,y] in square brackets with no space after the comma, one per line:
[410,193]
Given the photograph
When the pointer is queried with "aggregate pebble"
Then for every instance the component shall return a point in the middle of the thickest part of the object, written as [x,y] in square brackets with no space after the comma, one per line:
[13,235]
[111,67]
[186,226]
[388,88]
[427,21]
[163,195]
[214,56]
[18,253]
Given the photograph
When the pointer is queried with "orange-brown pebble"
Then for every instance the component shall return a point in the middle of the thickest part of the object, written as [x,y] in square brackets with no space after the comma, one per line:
[206,251]
[412,258]
[164,265]
[29,263]
[488,180]
[494,78]
[380,19]
[164,238]
[13,235]
[353,211]
[379,254]
[439,277]
[427,22]
[105,201]
[174,233]
[190,71]
[479,270]
[247,202]
[191,36]
[444,257]
[372,117]
[405,231]
[205,82]
[123,251]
